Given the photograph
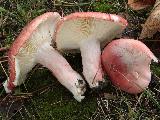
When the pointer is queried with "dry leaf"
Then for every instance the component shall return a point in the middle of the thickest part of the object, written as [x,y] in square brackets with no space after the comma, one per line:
[152,24]
[140,4]
[109,96]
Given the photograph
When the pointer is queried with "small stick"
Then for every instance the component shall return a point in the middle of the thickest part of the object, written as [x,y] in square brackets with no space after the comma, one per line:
[150,40]
[4,49]
[4,70]
[4,58]
[36,92]
[65,4]
[3,61]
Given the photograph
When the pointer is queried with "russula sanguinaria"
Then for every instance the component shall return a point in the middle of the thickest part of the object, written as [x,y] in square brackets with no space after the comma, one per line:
[85,31]
[33,46]
[127,62]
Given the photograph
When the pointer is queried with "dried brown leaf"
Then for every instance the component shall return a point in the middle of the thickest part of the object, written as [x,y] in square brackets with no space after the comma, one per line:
[109,96]
[140,4]
[152,24]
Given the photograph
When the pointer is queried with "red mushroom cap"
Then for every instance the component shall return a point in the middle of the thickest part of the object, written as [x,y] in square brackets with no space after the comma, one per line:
[20,41]
[127,62]
[74,28]
[86,31]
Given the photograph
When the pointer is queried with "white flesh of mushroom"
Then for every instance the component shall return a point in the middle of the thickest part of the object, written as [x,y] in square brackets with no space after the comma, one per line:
[86,35]
[38,49]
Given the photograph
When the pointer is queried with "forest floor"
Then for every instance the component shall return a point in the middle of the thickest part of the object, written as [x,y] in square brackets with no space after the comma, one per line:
[42,97]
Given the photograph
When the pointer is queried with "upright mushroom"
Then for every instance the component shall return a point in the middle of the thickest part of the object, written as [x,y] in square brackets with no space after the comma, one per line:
[33,46]
[127,62]
[85,31]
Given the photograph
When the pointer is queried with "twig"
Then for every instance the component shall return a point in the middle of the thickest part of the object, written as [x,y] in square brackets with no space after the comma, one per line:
[90,4]
[150,40]
[27,111]
[138,102]
[4,49]
[4,99]
[14,114]
[21,115]
[41,89]
[9,109]
[156,77]
[4,58]
[66,4]
[4,69]
[21,96]
[27,95]
[4,61]
[157,90]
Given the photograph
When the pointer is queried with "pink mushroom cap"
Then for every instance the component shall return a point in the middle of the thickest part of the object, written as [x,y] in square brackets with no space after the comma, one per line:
[32,46]
[88,32]
[127,62]
[21,41]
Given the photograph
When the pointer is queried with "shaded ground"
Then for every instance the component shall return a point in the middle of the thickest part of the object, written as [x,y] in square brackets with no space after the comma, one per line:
[43,98]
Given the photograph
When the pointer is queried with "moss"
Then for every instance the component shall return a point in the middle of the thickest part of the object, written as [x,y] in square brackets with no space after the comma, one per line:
[56,102]
[109,6]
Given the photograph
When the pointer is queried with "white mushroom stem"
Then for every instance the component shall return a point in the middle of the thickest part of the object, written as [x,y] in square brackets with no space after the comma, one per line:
[91,52]
[50,58]
[54,61]
[85,31]
[32,46]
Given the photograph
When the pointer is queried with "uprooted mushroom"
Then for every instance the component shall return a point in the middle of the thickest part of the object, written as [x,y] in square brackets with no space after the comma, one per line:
[86,31]
[127,62]
[33,46]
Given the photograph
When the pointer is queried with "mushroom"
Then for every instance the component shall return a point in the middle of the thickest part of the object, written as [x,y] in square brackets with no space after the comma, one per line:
[85,31]
[33,46]
[127,62]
